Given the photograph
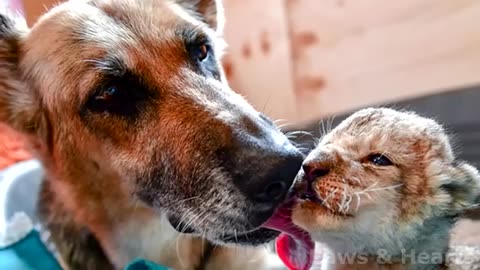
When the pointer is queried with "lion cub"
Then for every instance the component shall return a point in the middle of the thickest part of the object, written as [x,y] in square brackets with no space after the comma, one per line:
[382,190]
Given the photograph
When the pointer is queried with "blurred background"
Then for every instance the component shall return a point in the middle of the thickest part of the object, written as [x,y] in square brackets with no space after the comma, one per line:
[308,61]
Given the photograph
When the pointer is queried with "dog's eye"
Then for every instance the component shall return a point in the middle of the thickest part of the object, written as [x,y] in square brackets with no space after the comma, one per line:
[202,55]
[108,98]
[123,96]
[380,160]
[107,94]
[201,52]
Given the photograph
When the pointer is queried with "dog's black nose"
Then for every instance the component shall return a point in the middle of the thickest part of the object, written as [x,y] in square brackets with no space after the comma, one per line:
[272,192]
[266,181]
[262,164]
[264,176]
[270,188]
[272,184]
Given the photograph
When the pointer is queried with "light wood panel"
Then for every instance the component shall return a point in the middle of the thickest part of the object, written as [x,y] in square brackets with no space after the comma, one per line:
[349,54]
[258,61]
[33,9]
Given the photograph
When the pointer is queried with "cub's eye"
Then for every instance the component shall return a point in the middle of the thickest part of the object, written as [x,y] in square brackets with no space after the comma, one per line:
[201,51]
[380,160]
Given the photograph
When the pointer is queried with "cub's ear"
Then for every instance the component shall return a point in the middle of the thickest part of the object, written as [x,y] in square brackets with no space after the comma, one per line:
[208,11]
[19,105]
[463,185]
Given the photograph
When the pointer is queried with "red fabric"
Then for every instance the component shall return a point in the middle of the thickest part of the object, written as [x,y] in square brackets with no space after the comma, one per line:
[12,147]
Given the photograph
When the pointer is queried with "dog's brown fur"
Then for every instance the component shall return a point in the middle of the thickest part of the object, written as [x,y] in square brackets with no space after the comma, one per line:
[179,147]
[382,213]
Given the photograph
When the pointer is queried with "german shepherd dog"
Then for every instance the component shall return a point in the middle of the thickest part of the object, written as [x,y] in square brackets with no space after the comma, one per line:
[148,152]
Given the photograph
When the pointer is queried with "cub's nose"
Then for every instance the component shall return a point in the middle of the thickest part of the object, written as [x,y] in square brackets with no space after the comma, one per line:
[315,169]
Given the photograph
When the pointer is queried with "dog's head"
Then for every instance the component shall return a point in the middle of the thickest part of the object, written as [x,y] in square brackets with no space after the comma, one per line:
[128,97]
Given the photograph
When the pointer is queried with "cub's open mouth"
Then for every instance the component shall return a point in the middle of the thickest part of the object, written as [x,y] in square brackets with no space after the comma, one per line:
[329,197]
[322,209]
[294,246]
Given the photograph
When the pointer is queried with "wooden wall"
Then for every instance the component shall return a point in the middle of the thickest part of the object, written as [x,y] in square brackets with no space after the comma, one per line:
[304,59]
[301,60]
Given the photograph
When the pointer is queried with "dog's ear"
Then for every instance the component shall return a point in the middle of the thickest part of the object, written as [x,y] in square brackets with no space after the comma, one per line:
[208,11]
[462,183]
[19,105]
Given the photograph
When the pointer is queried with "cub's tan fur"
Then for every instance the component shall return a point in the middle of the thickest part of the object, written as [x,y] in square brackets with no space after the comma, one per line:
[128,108]
[375,211]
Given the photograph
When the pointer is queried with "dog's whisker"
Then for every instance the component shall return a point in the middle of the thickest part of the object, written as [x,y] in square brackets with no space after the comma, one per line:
[330,123]
[283,126]
[181,227]
[266,103]
[190,222]
[279,121]
[235,235]
[298,133]
[98,64]
[178,251]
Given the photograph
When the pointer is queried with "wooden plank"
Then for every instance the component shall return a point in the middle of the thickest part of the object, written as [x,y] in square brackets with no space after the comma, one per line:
[258,62]
[33,9]
[349,54]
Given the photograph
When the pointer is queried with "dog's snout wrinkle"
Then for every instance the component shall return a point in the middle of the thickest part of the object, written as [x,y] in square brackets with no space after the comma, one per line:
[250,126]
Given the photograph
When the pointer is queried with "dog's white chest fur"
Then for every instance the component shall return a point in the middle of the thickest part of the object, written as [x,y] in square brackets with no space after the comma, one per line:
[156,240]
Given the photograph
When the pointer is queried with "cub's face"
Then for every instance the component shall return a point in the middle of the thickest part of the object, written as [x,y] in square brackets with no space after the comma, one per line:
[378,173]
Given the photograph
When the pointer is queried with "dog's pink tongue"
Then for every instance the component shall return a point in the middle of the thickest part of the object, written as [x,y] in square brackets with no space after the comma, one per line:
[294,246]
